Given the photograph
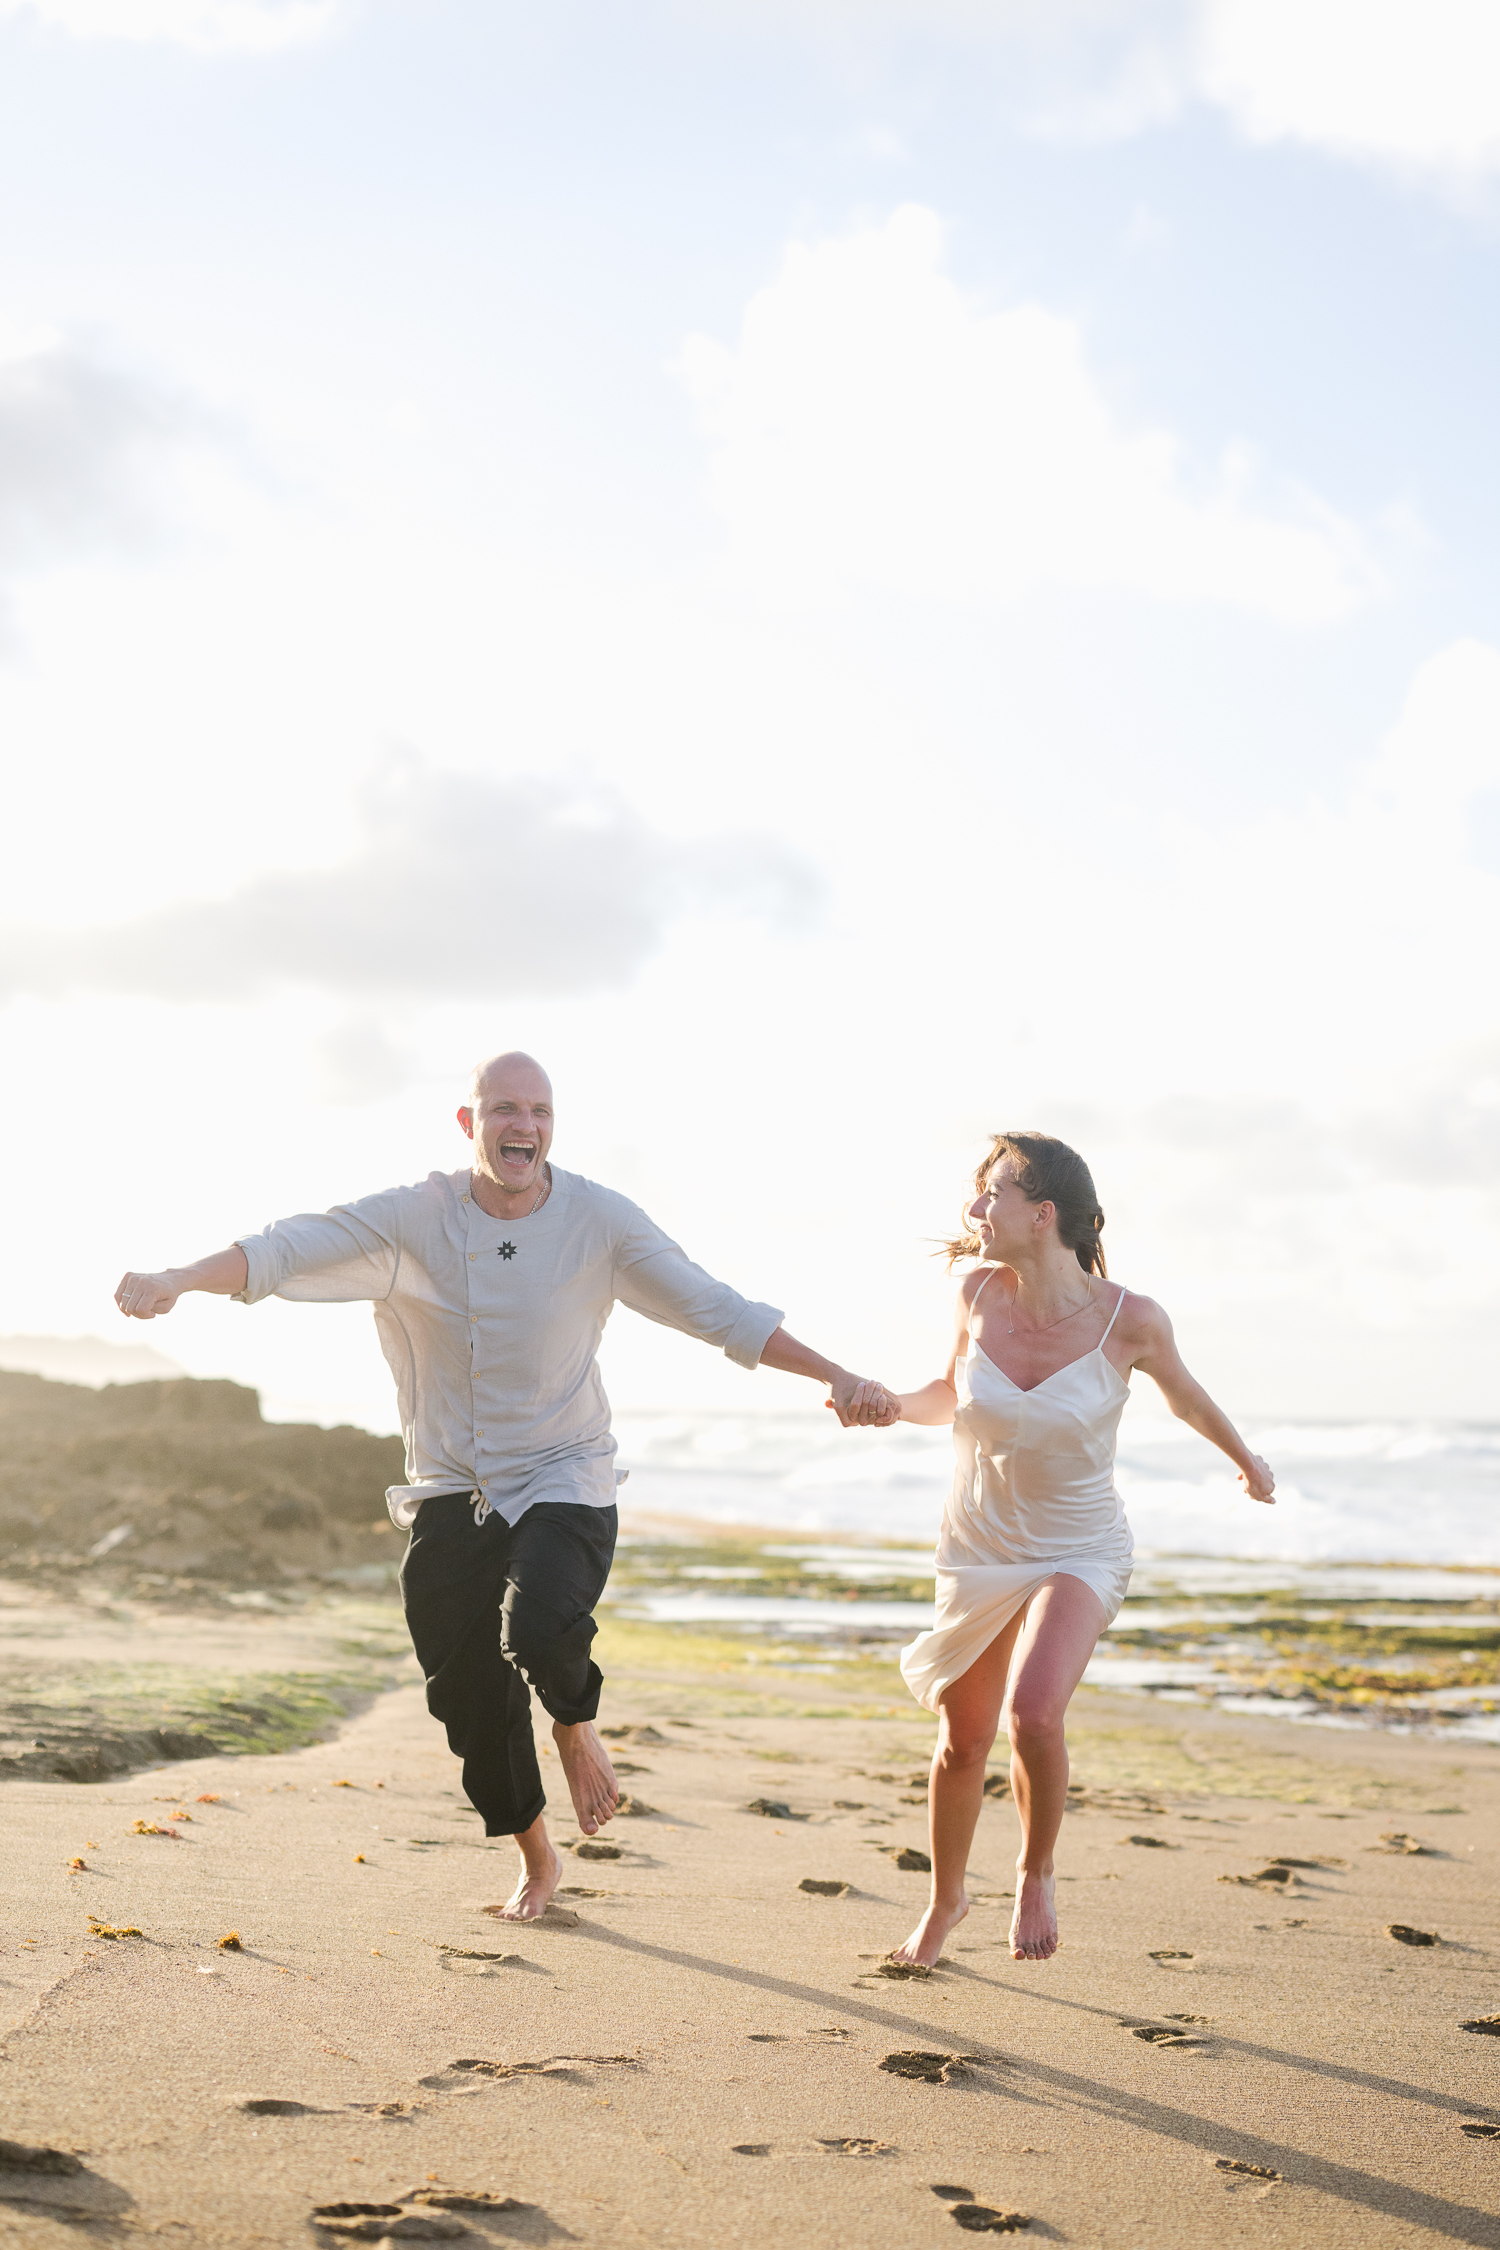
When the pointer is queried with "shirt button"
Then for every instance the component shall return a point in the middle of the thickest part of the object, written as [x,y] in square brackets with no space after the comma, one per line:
[471,1257]
[473,1320]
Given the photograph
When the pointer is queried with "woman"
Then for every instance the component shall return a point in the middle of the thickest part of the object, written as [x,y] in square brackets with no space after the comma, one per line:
[1034,1554]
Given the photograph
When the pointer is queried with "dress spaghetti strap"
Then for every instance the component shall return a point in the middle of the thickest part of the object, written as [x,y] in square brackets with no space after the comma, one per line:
[979,1292]
[1114,1316]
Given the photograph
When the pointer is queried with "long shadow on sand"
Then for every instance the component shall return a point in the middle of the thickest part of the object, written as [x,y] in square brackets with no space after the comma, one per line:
[1460,2222]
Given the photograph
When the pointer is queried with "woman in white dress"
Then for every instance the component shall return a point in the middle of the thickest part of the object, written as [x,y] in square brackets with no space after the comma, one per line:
[1034,1555]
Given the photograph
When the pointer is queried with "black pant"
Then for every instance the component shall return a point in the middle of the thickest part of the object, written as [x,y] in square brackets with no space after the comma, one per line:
[490,1607]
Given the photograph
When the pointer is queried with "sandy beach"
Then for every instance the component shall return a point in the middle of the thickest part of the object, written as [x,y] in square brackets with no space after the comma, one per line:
[699,2046]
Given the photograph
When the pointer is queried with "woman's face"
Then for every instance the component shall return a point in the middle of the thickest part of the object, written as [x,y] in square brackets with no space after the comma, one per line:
[1002,1217]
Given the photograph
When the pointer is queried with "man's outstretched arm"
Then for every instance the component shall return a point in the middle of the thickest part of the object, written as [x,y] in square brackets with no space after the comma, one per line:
[858,1404]
[145,1296]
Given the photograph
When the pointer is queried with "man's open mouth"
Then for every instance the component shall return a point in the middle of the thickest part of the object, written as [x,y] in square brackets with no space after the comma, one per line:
[518,1152]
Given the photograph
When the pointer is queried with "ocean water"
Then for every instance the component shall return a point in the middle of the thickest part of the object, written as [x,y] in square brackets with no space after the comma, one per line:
[1369,1595]
[1347,1492]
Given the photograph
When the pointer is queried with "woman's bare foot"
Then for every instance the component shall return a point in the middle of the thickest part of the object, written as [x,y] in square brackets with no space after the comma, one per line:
[541,1870]
[1033,1926]
[590,1776]
[923,1949]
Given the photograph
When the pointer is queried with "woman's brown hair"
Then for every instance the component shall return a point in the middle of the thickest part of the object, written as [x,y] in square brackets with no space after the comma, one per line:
[1047,1171]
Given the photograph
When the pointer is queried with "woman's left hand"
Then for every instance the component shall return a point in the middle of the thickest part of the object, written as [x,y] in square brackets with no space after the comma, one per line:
[1258,1481]
[867,1405]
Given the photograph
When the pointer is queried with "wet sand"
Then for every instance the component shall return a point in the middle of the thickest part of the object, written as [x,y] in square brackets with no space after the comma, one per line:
[1229,2047]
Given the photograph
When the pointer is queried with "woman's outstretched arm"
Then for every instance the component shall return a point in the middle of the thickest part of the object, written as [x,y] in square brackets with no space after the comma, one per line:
[936,1402]
[1158,1357]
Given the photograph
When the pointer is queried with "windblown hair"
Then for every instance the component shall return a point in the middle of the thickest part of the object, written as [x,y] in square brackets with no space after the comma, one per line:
[1047,1171]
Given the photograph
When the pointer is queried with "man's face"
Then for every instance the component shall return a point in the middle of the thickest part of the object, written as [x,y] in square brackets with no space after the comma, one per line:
[510,1123]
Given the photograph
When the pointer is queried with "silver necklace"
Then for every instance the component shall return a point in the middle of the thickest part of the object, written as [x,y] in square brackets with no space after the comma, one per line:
[1042,1328]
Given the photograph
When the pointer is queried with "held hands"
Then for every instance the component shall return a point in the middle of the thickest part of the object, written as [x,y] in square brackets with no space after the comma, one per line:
[1258,1481]
[863,1405]
[142,1296]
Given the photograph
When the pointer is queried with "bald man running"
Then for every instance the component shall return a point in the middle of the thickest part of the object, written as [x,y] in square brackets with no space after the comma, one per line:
[491,1288]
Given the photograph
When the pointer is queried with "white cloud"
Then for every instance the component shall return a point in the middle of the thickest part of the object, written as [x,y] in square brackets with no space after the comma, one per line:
[1412,84]
[460,886]
[1415,83]
[209,26]
[1444,750]
[877,425]
[81,449]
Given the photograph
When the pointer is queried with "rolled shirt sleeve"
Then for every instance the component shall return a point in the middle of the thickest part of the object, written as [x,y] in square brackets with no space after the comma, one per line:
[345,1256]
[653,1276]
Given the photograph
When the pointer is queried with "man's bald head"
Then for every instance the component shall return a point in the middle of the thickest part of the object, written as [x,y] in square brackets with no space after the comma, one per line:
[508,1117]
[512,1064]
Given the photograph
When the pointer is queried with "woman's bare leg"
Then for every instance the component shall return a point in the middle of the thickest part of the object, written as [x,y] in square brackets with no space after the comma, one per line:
[1063,1620]
[968,1721]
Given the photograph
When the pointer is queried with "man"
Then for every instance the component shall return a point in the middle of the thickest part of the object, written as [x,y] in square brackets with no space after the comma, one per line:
[491,1288]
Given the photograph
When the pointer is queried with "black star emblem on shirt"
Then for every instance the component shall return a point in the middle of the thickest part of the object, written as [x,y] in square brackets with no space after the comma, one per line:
[506,1250]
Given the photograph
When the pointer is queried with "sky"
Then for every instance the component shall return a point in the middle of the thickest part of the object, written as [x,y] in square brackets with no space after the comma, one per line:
[851,575]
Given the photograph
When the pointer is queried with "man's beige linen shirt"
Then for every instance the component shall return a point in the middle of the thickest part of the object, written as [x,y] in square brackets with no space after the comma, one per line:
[491,1326]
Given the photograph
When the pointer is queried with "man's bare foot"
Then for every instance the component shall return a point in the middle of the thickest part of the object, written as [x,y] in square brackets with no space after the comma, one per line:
[590,1776]
[541,1870]
[923,1949]
[1033,1926]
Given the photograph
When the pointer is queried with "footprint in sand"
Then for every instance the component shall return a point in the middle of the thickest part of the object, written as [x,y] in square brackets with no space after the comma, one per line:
[637,1734]
[979,2218]
[771,1808]
[634,1808]
[581,1890]
[1151,1843]
[853,2147]
[954,2194]
[751,2148]
[815,1889]
[1404,1934]
[466,2199]
[930,2069]
[469,1961]
[1406,1847]
[1489,2024]
[832,2033]
[904,1856]
[19,2156]
[1161,2034]
[270,2106]
[588,1849]
[555,1918]
[1478,2130]
[386,2222]
[469,2067]
[1169,1953]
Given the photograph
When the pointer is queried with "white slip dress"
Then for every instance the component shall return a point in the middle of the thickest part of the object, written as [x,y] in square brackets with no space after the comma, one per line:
[1033,1498]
